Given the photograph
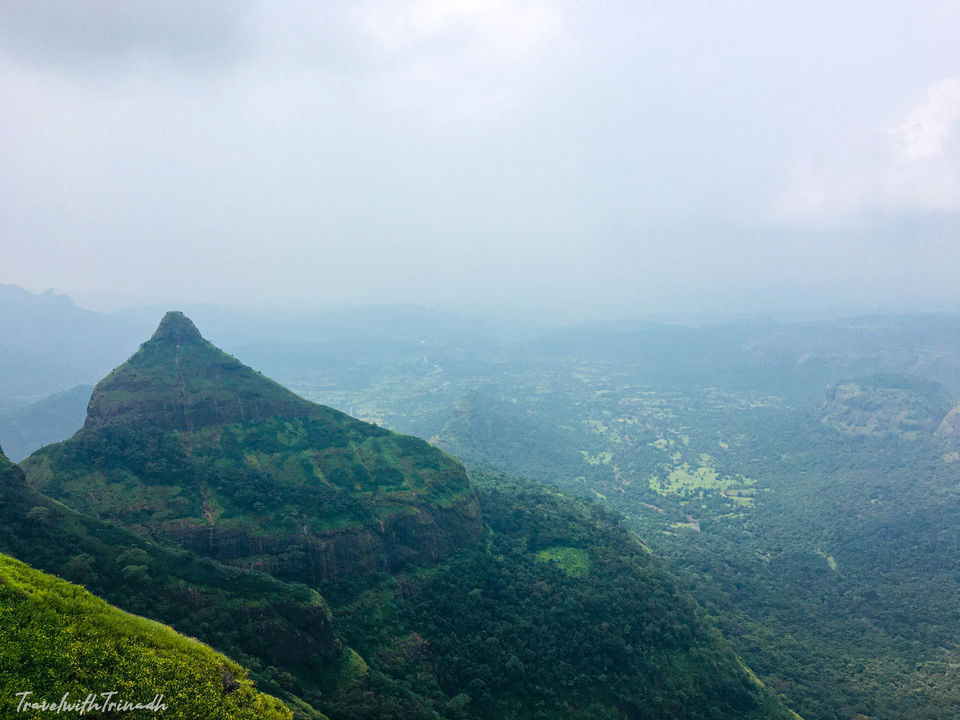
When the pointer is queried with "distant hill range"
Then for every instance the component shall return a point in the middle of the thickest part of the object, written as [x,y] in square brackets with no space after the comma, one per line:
[48,345]
[48,420]
[51,350]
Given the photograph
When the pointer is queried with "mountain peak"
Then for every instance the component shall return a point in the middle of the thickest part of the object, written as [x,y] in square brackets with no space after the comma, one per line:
[182,434]
[178,380]
[177,328]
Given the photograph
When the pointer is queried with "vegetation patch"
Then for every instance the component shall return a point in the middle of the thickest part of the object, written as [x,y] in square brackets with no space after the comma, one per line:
[600,458]
[353,670]
[574,562]
[683,479]
[831,562]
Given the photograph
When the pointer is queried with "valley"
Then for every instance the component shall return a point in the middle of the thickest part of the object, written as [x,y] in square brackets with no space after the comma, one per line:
[817,526]
[381,580]
[804,489]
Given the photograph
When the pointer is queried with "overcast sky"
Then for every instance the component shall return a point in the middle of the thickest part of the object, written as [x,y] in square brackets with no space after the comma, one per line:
[584,158]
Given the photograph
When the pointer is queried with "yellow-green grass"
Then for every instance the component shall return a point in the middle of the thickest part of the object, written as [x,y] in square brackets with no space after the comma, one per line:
[601,458]
[59,639]
[684,479]
[574,562]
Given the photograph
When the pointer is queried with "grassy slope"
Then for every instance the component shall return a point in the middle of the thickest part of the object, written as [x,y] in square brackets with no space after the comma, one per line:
[57,638]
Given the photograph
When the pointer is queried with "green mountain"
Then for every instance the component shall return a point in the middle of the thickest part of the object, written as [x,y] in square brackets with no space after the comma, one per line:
[62,644]
[559,608]
[494,600]
[185,443]
[179,381]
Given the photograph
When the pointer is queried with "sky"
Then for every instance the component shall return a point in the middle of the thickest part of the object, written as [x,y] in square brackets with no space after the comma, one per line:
[561,159]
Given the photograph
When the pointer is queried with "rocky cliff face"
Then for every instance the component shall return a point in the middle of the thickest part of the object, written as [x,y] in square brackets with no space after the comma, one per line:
[184,442]
[949,427]
[426,535]
[901,405]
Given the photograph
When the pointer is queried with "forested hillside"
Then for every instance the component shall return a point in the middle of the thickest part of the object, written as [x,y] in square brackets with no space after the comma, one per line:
[804,485]
[531,605]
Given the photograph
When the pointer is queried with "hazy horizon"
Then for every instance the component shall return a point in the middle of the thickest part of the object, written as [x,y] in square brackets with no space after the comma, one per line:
[536,159]
[152,312]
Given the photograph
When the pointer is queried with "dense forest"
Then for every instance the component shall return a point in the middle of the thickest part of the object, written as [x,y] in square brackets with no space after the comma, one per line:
[561,613]
[804,488]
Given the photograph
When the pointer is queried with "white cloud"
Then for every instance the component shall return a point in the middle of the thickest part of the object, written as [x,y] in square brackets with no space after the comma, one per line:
[505,30]
[914,167]
[929,127]
[459,59]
